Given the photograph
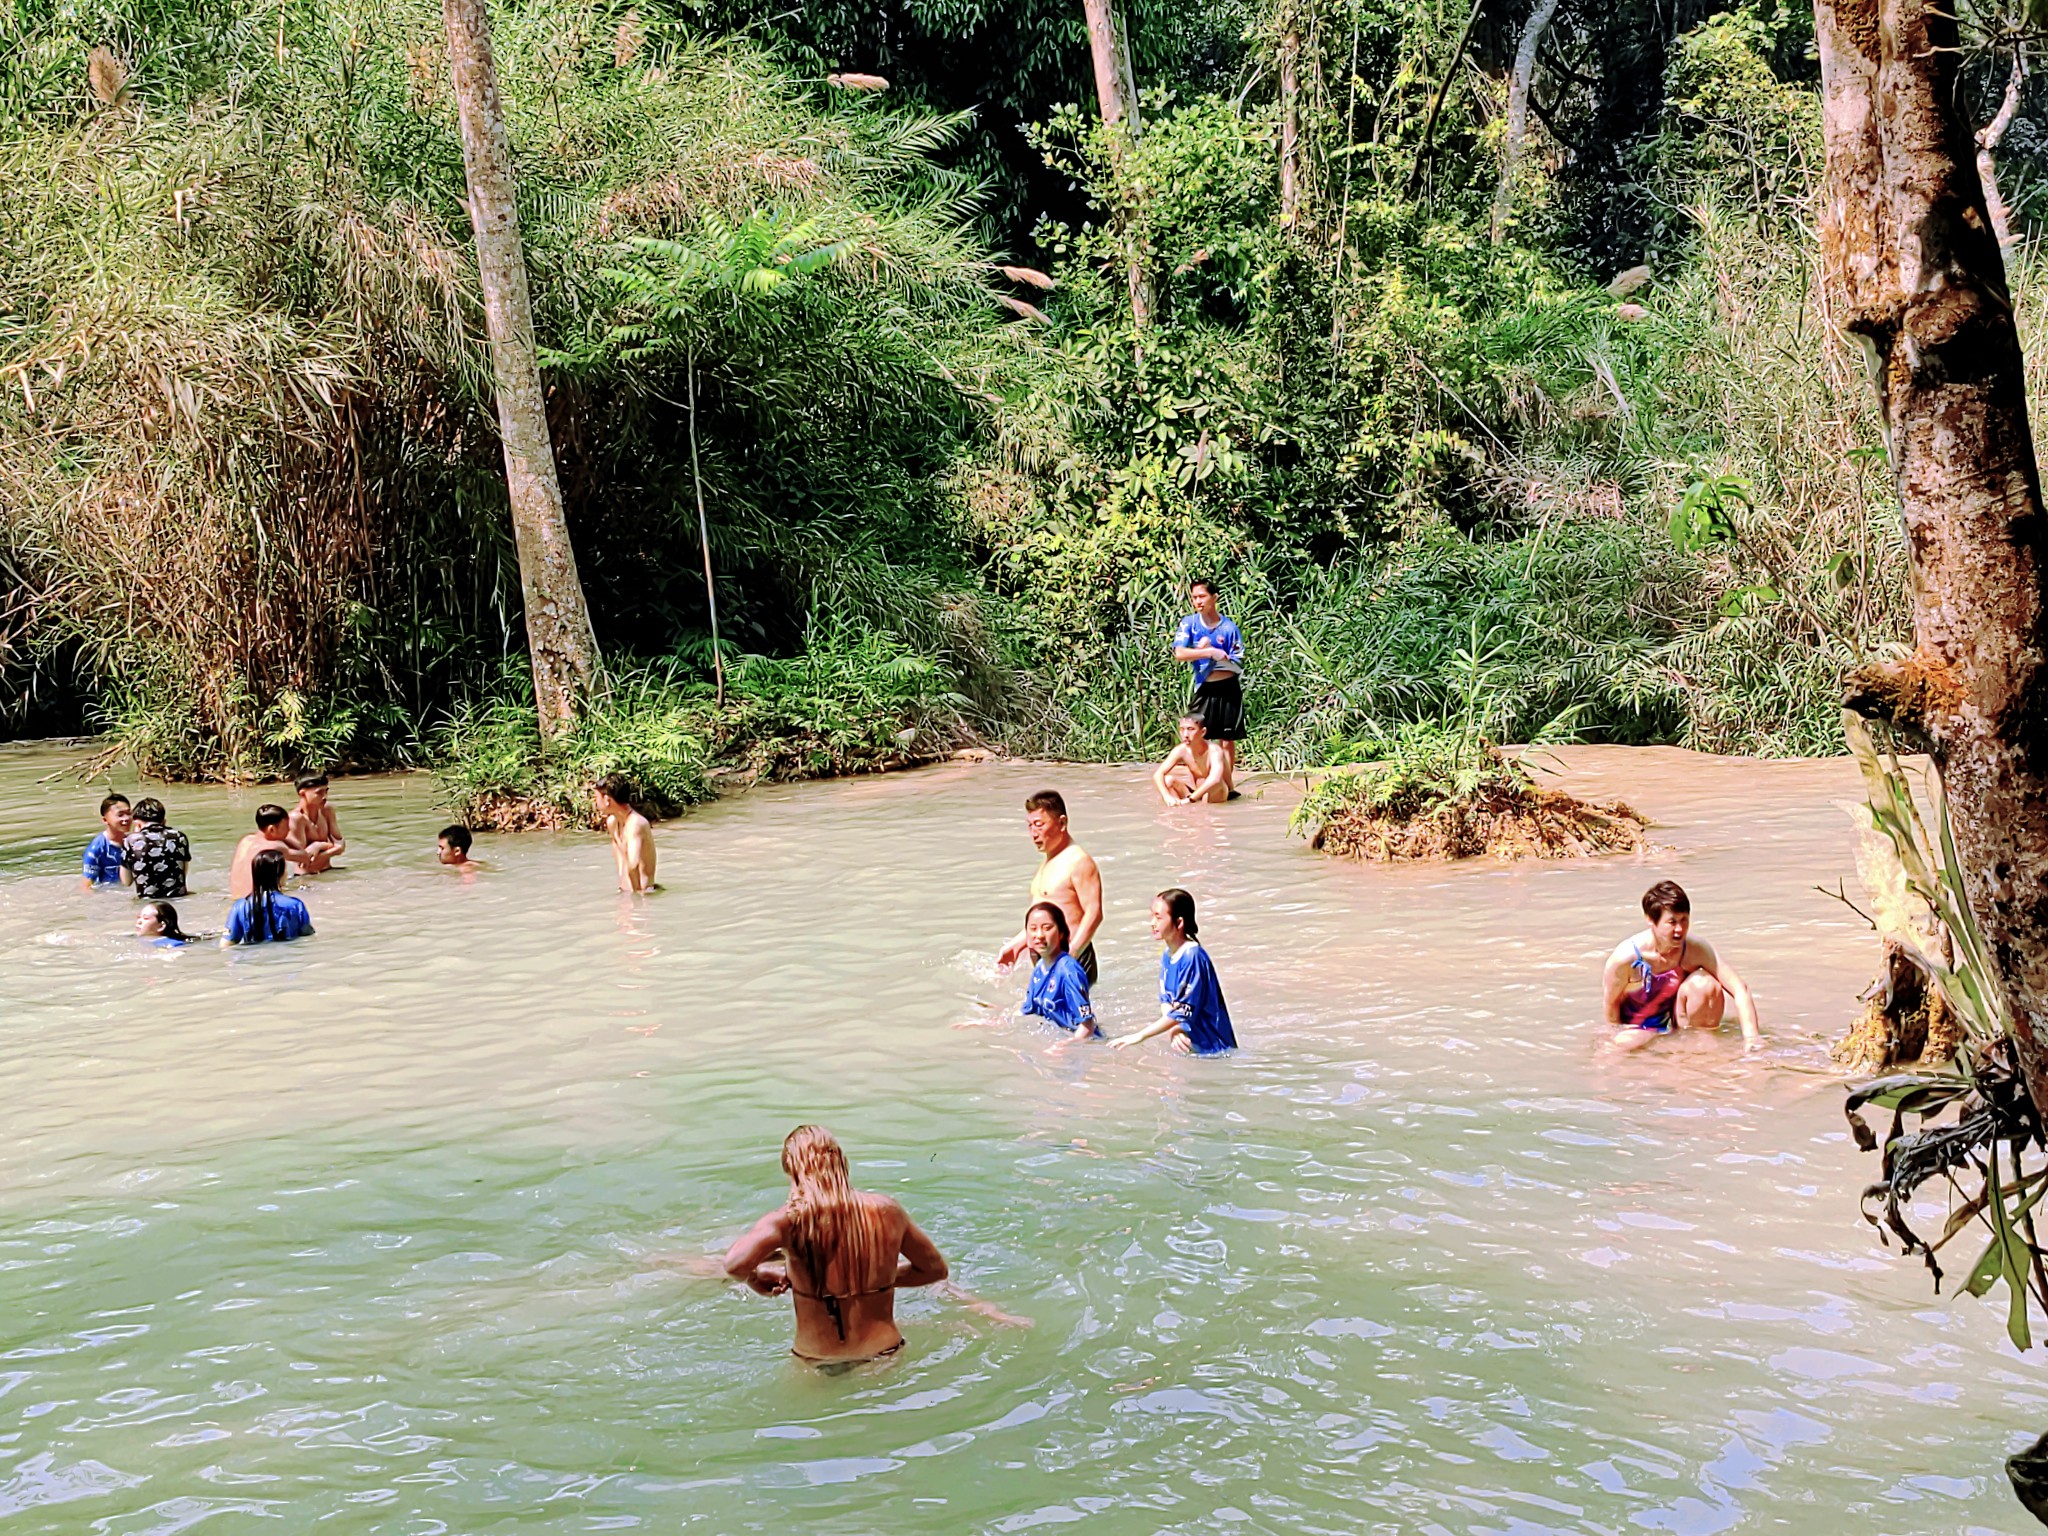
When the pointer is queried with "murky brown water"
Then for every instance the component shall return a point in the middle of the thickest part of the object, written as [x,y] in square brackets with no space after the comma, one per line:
[356,1233]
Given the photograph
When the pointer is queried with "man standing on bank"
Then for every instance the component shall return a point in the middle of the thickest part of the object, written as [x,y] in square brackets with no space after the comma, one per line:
[1212,644]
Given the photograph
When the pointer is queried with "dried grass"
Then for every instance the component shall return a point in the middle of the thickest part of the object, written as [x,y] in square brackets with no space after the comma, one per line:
[1499,820]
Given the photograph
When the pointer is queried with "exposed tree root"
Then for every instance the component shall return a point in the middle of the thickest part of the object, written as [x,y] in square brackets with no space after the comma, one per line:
[1498,820]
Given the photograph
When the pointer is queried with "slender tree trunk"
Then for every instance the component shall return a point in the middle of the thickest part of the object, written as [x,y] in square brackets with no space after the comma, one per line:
[704,542]
[1436,102]
[1988,139]
[1519,83]
[1290,125]
[1912,270]
[1116,91]
[566,668]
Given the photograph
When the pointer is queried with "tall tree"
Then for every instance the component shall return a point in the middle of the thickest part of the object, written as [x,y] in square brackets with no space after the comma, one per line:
[1116,92]
[566,668]
[1912,271]
[1521,79]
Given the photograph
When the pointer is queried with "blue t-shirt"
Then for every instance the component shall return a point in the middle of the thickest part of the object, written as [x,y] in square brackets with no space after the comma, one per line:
[1059,994]
[289,919]
[103,861]
[1223,636]
[1190,992]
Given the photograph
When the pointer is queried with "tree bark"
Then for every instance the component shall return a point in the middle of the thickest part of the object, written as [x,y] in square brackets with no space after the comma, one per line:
[1988,139]
[1519,83]
[1116,92]
[1290,126]
[566,668]
[1912,270]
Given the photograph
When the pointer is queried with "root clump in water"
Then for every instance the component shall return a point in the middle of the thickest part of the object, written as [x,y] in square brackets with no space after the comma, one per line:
[1429,797]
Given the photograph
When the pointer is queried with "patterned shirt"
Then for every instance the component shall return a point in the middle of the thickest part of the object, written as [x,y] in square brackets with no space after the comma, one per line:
[102,863]
[1059,994]
[1223,635]
[1189,990]
[158,856]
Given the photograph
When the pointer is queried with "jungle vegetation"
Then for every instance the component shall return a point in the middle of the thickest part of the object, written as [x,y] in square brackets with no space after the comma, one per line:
[253,514]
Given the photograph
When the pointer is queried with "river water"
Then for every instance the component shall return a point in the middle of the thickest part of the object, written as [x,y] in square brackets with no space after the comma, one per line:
[368,1232]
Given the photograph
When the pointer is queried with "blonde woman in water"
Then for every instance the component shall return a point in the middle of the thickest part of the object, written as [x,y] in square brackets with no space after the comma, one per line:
[845,1255]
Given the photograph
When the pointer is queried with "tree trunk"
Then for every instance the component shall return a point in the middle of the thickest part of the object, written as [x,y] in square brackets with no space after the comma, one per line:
[1519,82]
[1436,102]
[566,669]
[1116,91]
[1290,126]
[1912,270]
[1988,139]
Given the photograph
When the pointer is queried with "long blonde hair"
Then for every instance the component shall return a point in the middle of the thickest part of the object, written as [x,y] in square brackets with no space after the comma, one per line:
[825,1218]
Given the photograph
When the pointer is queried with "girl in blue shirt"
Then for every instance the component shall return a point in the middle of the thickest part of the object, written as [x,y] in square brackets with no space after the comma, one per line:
[157,921]
[263,916]
[1058,992]
[1190,997]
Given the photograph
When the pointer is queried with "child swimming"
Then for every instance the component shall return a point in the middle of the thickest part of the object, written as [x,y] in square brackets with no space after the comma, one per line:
[105,861]
[1190,997]
[263,916]
[158,923]
[1058,992]
[452,847]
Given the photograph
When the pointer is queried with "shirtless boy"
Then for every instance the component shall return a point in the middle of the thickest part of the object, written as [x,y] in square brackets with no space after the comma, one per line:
[1067,877]
[273,830]
[1664,979]
[632,836]
[1193,771]
[313,832]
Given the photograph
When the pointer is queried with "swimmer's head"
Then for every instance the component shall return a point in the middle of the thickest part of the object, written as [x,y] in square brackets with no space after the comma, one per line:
[312,787]
[1669,910]
[159,920]
[150,812]
[266,872]
[273,821]
[1045,817]
[613,793]
[1173,915]
[1045,928]
[1192,729]
[453,845]
[119,818]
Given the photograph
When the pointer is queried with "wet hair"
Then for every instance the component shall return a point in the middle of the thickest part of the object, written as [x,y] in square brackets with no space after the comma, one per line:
[306,781]
[266,874]
[1201,720]
[616,787]
[150,812]
[270,816]
[1180,906]
[824,1219]
[1665,896]
[456,837]
[167,919]
[1046,800]
[1205,584]
[1059,919]
[110,802]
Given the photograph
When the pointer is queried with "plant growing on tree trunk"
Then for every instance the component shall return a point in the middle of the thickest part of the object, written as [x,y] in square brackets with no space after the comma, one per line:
[566,668]
[1912,271]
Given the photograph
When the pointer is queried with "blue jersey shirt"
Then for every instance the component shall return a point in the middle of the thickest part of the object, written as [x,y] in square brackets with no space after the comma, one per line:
[1190,992]
[289,919]
[1223,636]
[103,861]
[1059,994]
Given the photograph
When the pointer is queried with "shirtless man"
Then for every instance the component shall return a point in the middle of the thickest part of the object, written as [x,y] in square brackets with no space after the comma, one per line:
[1067,877]
[632,836]
[314,833]
[273,830]
[1193,771]
[1664,979]
[845,1255]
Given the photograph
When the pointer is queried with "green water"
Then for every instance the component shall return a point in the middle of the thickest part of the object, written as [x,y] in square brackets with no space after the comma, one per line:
[365,1234]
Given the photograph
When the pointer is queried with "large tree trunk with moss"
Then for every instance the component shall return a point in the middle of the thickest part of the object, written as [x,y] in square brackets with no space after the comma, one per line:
[558,633]
[1116,92]
[1290,123]
[1912,270]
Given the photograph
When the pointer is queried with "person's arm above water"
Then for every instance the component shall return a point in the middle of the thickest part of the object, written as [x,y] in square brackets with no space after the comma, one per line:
[1736,988]
[1159,775]
[1159,1026]
[640,853]
[1217,764]
[1088,891]
[747,1260]
[1614,983]
[919,1261]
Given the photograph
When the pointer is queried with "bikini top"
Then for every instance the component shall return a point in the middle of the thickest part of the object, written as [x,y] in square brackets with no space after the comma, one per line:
[832,1301]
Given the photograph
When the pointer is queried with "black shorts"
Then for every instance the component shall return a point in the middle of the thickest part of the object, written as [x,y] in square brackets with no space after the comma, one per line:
[1220,703]
[1085,956]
